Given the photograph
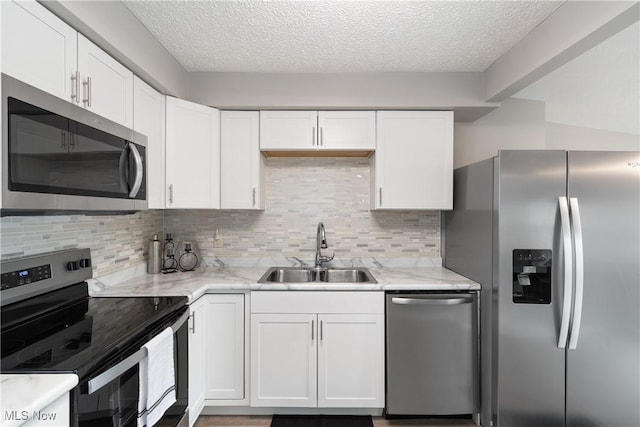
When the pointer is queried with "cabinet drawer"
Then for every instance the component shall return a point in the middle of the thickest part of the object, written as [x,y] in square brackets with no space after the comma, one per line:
[317,302]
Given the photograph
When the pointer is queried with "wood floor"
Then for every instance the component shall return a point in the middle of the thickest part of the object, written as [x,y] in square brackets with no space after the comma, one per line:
[265,421]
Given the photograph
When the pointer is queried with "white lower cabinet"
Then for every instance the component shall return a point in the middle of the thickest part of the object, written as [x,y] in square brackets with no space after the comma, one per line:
[224,347]
[317,349]
[283,360]
[350,361]
[196,359]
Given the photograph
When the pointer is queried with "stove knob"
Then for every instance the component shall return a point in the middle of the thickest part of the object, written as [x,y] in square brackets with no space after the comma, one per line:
[85,262]
[72,265]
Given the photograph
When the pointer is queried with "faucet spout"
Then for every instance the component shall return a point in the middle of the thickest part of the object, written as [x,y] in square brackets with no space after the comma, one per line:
[321,243]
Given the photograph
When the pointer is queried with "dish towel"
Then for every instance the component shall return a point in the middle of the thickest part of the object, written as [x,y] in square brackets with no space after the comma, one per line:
[157,390]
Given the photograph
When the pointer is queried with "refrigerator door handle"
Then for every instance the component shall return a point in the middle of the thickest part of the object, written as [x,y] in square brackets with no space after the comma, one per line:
[576,231]
[568,271]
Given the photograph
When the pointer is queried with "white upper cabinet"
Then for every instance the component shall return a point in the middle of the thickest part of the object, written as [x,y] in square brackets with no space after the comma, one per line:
[288,130]
[413,162]
[148,119]
[192,155]
[38,48]
[347,130]
[106,85]
[241,163]
[317,130]
[41,50]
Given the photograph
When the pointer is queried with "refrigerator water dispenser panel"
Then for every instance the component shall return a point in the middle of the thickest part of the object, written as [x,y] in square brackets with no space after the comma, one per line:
[532,276]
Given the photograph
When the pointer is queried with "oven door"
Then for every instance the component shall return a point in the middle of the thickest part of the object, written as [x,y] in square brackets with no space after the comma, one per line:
[110,399]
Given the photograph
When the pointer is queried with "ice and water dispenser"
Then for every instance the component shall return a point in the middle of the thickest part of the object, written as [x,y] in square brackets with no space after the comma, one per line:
[532,276]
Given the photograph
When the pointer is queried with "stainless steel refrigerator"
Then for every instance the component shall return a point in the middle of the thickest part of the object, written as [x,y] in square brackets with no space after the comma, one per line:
[554,239]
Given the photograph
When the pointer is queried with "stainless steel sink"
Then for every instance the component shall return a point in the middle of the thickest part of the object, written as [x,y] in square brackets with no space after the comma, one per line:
[317,275]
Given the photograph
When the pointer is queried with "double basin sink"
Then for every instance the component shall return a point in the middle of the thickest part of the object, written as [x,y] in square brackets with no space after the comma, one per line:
[317,275]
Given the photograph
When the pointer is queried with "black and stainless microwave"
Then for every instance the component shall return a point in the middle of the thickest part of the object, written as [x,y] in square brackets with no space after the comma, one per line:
[59,157]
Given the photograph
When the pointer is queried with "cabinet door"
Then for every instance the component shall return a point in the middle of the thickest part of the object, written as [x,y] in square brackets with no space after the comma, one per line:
[38,48]
[192,155]
[347,130]
[224,346]
[107,86]
[414,160]
[241,163]
[351,360]
[288,130]
[148,119]
[283,360]
[196,359]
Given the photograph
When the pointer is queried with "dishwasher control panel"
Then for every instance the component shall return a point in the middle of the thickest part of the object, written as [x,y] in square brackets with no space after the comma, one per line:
[532,276]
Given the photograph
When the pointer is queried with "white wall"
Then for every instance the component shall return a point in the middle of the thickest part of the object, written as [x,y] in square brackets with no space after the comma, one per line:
[517,125]
[567,137]
[520,124]
[438,91]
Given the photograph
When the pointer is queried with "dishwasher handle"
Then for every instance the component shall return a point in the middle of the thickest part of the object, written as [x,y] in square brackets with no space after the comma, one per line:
[432,301]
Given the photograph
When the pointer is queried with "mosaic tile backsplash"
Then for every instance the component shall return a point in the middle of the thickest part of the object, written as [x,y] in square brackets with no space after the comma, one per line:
[116,241]
[300,192]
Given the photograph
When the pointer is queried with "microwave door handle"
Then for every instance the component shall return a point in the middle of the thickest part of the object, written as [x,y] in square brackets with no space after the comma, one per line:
[111,374]
[137,183]
[123,167]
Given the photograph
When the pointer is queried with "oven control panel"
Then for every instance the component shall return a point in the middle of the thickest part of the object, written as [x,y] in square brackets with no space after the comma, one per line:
[17,278]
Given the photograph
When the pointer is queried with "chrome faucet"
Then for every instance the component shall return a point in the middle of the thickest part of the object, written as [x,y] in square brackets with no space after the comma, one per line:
[321,243]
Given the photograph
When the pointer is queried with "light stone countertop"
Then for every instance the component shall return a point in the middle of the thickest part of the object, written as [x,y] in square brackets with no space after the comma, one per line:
[228,275]
[26,394]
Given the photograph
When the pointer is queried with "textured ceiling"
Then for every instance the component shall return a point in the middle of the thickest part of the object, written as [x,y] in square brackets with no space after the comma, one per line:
[339,36]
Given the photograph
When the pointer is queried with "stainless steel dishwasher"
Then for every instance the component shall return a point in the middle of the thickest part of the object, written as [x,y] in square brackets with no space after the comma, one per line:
[432,353]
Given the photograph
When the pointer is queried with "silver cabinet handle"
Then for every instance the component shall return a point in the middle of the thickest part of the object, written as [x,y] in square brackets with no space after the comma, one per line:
[321,330]
[63,142]
[193,323]
[321,137]
[111,374]
[72,140]
[254,197]
[75,86]
[432,301]
[380,195]
[137,183]
[313,136]
[87,97]
[568,271]
[170,194]
[576,230]
[313,326]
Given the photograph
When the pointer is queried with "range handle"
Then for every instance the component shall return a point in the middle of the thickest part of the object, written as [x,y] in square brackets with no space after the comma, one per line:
[432,301]
[114,372]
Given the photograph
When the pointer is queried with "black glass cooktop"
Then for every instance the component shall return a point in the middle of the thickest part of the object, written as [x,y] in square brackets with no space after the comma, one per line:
[68,331]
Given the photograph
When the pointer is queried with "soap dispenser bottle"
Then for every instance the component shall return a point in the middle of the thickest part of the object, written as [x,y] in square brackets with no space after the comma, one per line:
[154,264]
